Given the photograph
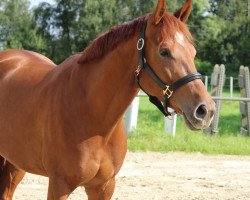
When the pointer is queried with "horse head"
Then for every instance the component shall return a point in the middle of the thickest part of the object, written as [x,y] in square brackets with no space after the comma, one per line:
[167,52]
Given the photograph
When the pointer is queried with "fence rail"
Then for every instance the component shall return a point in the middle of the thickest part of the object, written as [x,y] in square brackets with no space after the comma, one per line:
[231,99]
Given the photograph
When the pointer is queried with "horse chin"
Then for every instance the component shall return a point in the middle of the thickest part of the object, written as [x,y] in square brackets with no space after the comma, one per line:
[190,125]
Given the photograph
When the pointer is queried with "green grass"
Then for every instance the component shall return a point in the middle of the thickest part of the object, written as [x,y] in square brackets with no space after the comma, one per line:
[150,136]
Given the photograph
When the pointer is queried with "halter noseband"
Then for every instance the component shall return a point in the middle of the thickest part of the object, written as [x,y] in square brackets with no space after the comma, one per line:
[167,89]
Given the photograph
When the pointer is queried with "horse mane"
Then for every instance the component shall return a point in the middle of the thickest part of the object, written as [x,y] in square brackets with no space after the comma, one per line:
[110,40]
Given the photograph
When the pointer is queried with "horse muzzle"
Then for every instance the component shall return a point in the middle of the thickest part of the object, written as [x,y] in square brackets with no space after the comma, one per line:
[201,117]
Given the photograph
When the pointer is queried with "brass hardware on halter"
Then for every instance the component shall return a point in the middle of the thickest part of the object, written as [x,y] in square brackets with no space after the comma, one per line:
[168,92]
[137,72]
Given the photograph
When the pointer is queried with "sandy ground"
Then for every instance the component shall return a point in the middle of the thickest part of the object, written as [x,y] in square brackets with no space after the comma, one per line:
[156,176]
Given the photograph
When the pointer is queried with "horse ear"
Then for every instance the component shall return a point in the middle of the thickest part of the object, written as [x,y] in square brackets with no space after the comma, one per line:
[184,12]
[159,11]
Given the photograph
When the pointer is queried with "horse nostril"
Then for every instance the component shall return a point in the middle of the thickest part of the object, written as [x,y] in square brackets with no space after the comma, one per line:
[201,112]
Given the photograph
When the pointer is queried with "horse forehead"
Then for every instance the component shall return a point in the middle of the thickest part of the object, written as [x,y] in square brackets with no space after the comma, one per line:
[177,37]
[180,38]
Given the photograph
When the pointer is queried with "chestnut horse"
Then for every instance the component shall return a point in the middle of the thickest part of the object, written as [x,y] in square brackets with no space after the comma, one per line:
[66,122]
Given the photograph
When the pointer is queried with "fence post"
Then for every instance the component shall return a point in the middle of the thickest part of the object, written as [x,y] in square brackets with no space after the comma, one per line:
[170,124]
[244,106]
[217,83]
[132,115]
[206,82]
[231,86]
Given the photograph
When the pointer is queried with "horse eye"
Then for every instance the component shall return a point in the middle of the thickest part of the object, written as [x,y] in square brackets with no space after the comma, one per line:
[165,53]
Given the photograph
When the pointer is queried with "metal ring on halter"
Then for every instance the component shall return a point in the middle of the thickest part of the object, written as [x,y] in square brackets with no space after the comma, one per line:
[140,44]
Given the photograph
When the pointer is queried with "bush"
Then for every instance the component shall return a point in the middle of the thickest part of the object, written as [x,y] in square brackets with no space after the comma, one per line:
[204,67]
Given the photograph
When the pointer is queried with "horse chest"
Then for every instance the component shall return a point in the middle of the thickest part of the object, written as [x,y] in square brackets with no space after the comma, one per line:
[108,167]
[91,171]
[105,157]
[105,172]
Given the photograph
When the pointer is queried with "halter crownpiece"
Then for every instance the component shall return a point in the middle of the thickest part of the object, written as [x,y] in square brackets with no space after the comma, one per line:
[167,90]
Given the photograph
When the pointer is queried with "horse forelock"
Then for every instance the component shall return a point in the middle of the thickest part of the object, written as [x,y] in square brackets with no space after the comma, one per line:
[110,40]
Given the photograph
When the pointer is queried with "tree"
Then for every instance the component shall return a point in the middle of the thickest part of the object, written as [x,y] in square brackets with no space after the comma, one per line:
[225,34]
[17,28]
[70,25]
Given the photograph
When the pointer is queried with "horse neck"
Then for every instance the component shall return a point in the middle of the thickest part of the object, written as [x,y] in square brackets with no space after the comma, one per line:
[101,90]
[112,82]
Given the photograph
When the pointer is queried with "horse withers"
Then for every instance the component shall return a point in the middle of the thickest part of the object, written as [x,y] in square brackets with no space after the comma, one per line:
[66,122]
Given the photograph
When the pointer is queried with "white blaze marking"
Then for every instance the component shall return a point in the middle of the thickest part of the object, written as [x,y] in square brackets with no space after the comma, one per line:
[180,38]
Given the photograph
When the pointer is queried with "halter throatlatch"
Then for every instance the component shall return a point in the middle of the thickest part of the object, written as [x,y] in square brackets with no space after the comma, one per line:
[166,89]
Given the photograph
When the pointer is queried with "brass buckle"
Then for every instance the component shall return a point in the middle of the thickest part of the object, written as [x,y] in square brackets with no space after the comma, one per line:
[168,92]
[137,72]
[140,44]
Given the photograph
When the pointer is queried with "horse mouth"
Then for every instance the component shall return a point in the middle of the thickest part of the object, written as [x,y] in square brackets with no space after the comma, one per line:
[190,124]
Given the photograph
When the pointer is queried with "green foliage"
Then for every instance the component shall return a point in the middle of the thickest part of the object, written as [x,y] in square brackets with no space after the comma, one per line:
[204,67]
[17,27]
[70,25]
[57,24]
[225,34]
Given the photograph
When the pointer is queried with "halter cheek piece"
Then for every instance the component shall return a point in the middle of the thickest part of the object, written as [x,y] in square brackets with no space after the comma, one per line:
[166,89]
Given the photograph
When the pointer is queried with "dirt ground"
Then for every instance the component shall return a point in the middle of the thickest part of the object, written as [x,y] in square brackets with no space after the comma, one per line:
[156,176]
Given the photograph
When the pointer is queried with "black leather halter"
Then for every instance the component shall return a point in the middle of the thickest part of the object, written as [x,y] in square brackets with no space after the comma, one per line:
[167,89]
